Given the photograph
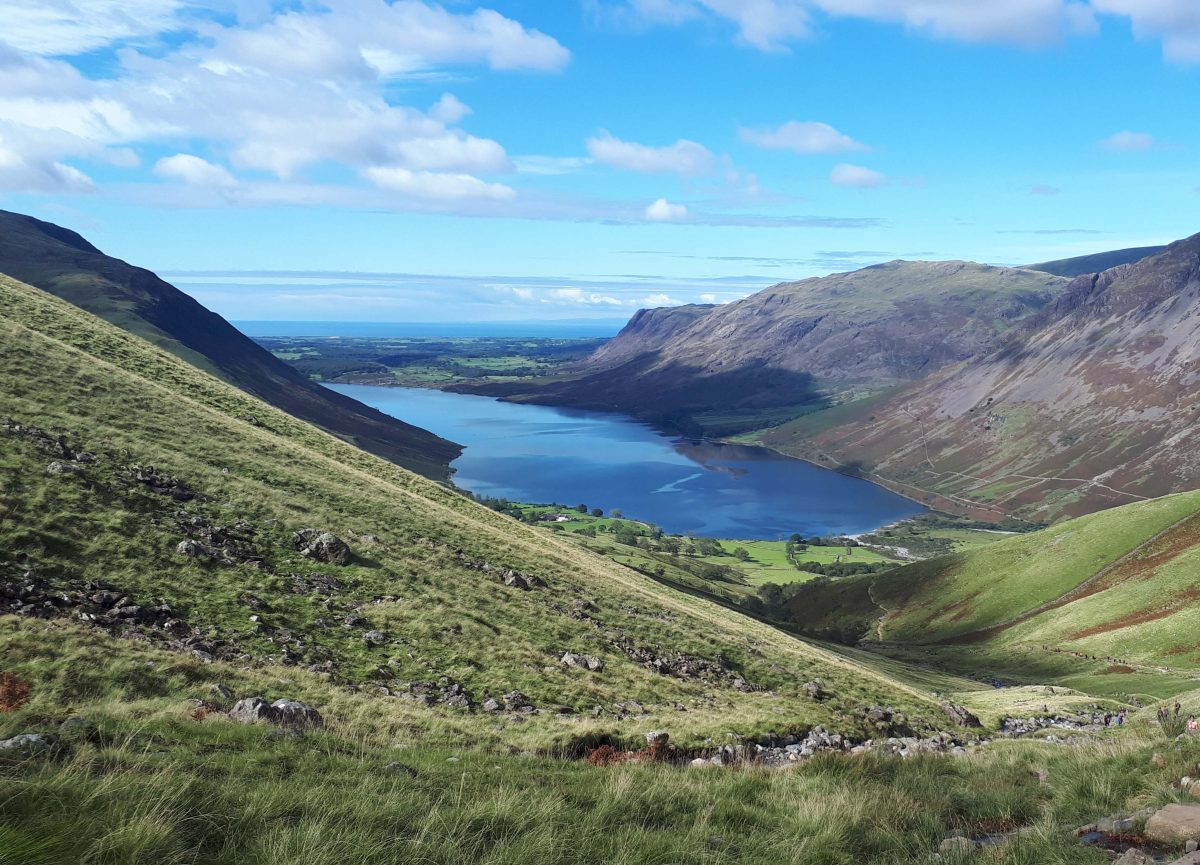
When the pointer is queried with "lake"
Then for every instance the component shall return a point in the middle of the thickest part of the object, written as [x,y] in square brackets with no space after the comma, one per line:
[534,453]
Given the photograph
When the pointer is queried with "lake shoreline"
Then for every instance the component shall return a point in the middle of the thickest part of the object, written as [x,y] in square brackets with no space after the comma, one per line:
[688,485]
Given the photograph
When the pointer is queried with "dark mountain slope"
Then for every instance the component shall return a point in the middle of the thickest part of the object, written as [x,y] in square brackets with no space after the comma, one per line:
[1084,264]
[788,347]
[63,263]
[1091,404]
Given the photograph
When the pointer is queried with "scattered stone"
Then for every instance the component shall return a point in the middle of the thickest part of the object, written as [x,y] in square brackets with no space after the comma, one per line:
[400,769]
[1134,856]
[1090,722]
[222,691]
[515,701]
[161,483]
[657,738]
[76,727]
[1174,824]
[491,705]
[374,638]
[322,546]
[815,689]
[62,468]
[589,662]
[26,743]
[1191,846]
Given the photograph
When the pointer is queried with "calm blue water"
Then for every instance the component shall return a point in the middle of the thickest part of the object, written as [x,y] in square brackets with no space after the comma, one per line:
[534,453]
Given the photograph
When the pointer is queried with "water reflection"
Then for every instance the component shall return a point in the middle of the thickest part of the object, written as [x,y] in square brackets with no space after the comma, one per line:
[543,454]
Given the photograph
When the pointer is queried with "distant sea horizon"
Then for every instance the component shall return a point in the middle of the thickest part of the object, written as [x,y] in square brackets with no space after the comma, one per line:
[562,329]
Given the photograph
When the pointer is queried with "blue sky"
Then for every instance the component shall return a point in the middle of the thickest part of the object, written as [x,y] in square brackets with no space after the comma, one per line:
[519,160]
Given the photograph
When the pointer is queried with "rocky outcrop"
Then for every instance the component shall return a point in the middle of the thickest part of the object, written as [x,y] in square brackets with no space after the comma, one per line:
[587,662]
[283,712]
[960,715]
[1174,824]
[322,546]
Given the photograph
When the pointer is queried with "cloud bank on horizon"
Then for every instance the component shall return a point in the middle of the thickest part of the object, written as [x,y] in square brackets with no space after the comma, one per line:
[553,139]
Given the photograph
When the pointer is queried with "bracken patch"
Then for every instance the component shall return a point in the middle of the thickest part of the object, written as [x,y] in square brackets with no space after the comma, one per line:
[14,693]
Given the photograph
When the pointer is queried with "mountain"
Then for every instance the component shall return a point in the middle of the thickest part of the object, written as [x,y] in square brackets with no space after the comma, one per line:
[1088,405]
[1119,584]
[178,558]
[61,262]
[784,349]
[131,473]
[1097,262]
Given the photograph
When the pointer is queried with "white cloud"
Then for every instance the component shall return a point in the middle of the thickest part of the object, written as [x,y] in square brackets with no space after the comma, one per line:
[291,91]
[659,300]
[436,185]
[664,211]
[449,110]
[1127,142]
[193,170]
[66,27]
[708,297]
[856,176]
[683,157]
[807,137]
[770,25]
[24,174]
[589,298]
[1176,22]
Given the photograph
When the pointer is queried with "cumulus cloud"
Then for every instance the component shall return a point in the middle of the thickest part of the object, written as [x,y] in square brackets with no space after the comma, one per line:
[1127,142]
[297,89]
[664,211]
[806,137]
[856,176]
[1175,22]
[194,171]
[683,157]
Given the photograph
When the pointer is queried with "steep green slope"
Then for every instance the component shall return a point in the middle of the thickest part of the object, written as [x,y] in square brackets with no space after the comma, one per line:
[63,263]
[421,611]
[1122,583]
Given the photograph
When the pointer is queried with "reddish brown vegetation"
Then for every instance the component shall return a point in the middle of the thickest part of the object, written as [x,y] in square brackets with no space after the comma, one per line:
[1178,601]
[1118,668]
[13,692]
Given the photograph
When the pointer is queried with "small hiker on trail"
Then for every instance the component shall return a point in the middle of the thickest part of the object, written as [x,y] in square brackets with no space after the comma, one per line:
[1191,724]
[1121,718]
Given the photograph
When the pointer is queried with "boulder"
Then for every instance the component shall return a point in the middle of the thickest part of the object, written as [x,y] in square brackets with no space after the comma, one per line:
[61,468]
[1174,824]
[251,709]
[815,689]
[322,546]
[657,738]
[286,713]
[26,743]
[960,715]
[491,705]
[374,638]
[298,715]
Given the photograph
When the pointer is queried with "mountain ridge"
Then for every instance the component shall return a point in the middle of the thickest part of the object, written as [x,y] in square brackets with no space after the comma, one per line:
[64,263]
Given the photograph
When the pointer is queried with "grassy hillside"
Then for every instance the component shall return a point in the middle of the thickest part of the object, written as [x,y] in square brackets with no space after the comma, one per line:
[1096,262]
[427,562]
[61,262]
[1111,594]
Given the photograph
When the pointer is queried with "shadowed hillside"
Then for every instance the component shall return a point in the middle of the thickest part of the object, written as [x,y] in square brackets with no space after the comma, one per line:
[63,263]
[1088,405]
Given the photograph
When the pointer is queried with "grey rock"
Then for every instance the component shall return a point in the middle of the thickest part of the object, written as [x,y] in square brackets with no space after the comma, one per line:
[588,662]
[374,638]
[815,689]
[1134,856]
[61,468]
[27,743]
[76,727]
[491,705]
[251,709]
[298,715]
[400,769]
[222,691]
[657,738]
[322,546]
[960,715]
